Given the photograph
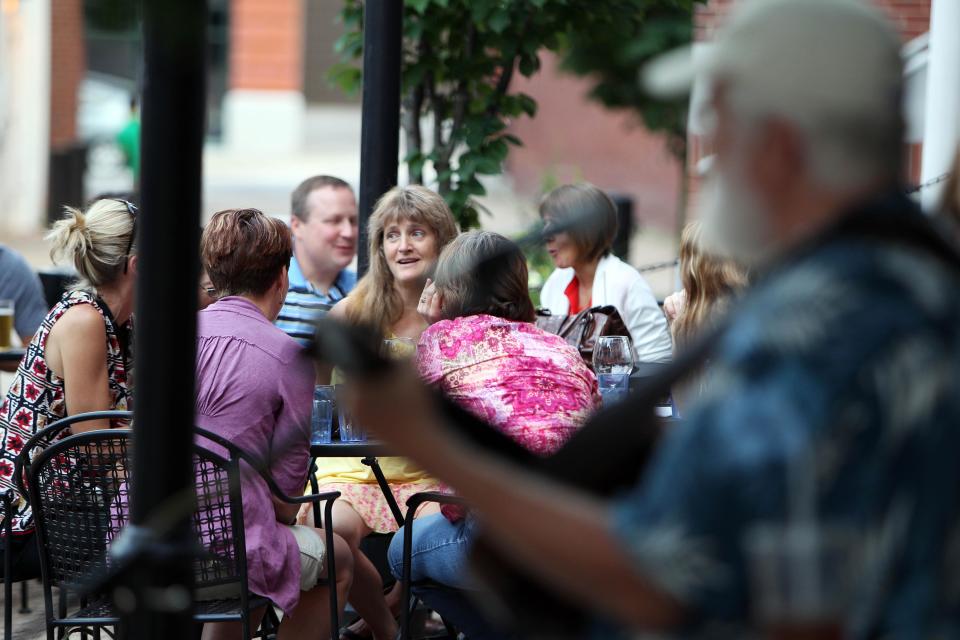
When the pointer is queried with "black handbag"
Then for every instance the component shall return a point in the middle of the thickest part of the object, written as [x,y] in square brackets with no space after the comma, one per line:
[582,329]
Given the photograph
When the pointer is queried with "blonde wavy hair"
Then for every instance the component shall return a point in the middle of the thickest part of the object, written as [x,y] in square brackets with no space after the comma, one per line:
[375,302]
[95,241]
[709,283]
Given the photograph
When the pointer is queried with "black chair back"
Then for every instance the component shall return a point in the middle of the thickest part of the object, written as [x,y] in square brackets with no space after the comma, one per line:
[79,492]
[53,431]
[218,521]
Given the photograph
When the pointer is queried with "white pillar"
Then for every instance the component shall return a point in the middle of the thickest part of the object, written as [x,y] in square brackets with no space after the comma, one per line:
[25,137]
[942,113]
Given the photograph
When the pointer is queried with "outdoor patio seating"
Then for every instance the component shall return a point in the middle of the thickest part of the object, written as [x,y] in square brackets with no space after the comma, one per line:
[79,490]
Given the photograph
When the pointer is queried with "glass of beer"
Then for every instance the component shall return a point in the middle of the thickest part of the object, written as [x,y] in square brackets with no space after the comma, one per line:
[399,348]
[6,323]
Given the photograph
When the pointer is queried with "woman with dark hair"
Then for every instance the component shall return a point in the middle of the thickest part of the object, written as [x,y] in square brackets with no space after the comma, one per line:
[588,275]
[484,352]
[255,387]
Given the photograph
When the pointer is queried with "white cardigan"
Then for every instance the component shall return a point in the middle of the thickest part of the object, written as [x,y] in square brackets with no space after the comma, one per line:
[619,284]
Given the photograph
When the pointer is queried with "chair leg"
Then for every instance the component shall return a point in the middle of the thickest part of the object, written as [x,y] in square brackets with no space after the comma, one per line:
[24,597]
[7,609]
[7,569]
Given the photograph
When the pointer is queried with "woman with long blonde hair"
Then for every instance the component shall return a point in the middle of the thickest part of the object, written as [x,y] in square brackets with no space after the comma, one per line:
[408,229]
[708,285]
[79,359]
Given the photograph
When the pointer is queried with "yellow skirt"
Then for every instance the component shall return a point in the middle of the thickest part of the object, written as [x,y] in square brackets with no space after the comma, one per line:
[371,505]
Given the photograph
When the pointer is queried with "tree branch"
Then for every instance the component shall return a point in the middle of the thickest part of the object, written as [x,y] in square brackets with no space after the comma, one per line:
[413,108]
[462,93]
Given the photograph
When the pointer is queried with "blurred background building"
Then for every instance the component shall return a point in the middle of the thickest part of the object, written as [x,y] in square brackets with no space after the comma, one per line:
[68,70]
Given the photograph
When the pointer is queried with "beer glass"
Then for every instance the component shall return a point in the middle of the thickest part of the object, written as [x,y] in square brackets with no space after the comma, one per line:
[6,323]
[399,348]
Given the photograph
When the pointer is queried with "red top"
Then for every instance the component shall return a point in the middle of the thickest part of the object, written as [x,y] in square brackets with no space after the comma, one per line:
[573,295]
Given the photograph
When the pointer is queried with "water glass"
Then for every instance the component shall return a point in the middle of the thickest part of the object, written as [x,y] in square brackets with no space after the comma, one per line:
[804,578]
[321,420]
[399,348]
[6,323]
[614,387]
[350,431]
[613,354]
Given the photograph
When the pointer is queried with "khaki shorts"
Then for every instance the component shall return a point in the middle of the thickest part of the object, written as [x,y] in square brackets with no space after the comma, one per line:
[312,552]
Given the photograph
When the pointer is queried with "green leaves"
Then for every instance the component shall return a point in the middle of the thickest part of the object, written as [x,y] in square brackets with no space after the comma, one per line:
[460,57]
[617,45]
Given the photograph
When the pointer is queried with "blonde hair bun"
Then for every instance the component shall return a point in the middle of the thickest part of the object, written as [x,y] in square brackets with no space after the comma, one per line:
[95,242]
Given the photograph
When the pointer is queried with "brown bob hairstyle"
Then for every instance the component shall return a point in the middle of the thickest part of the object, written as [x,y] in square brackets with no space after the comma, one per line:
[481,272]
[587,215]
[244,251]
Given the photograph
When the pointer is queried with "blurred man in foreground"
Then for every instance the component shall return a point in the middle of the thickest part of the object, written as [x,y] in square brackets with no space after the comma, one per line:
[836,386]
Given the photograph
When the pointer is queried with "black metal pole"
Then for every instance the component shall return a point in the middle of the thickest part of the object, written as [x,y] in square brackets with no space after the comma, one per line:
[168,223]
[380,127]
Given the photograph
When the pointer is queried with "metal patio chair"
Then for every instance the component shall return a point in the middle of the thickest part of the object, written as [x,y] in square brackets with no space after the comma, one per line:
[79,492]
[413,503]
[31,448]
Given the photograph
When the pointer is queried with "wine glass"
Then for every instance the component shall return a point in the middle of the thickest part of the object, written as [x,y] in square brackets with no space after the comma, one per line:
[613,354]
[613,364]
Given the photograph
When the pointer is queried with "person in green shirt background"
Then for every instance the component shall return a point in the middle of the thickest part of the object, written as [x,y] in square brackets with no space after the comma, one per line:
[129,140]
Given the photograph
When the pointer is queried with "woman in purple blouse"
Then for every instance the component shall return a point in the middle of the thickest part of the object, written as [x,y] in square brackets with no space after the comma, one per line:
[254,387]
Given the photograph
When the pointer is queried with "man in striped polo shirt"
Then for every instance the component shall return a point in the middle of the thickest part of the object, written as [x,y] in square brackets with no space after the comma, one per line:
[323,222]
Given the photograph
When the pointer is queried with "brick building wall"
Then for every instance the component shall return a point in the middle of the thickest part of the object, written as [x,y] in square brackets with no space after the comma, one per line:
[67,68]
[573,138]
[266,44]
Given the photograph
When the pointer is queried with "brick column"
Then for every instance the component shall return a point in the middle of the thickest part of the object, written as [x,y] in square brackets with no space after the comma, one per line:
[67,67]
[264,106]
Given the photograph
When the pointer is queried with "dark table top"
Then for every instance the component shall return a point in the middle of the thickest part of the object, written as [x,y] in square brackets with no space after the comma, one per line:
[336,449]
[12,354]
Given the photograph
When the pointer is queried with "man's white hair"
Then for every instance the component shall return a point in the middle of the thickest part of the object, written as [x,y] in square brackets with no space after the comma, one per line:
[832,68]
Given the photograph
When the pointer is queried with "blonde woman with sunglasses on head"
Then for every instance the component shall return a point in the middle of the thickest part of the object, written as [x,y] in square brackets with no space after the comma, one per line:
[79,360]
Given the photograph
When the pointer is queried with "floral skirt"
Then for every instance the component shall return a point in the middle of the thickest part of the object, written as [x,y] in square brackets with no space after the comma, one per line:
[371,505]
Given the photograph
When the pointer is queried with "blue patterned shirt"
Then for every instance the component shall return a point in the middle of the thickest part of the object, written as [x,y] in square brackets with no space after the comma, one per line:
[304,304]
[842,370]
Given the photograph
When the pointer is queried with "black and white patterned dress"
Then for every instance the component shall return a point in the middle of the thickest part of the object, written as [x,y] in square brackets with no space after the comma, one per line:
[36,399]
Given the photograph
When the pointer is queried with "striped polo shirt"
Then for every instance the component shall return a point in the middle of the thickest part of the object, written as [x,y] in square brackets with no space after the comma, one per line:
[304,303]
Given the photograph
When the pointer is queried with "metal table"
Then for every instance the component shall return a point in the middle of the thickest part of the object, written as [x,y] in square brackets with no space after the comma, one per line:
[367,451]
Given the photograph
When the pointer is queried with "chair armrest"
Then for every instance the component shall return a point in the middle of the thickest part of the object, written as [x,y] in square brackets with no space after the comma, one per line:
[310,497]
[418,499]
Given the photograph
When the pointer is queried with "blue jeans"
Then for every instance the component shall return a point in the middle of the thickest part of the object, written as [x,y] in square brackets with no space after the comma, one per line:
[439,558]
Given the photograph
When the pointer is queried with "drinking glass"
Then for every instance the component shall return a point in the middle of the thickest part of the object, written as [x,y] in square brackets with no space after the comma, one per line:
[321,420]
[613,363]
[6,323]
[399,348]
[804,578]
[350,431]
[613,354]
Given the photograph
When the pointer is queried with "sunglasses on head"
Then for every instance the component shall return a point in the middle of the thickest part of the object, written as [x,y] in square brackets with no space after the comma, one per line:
[132,210]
